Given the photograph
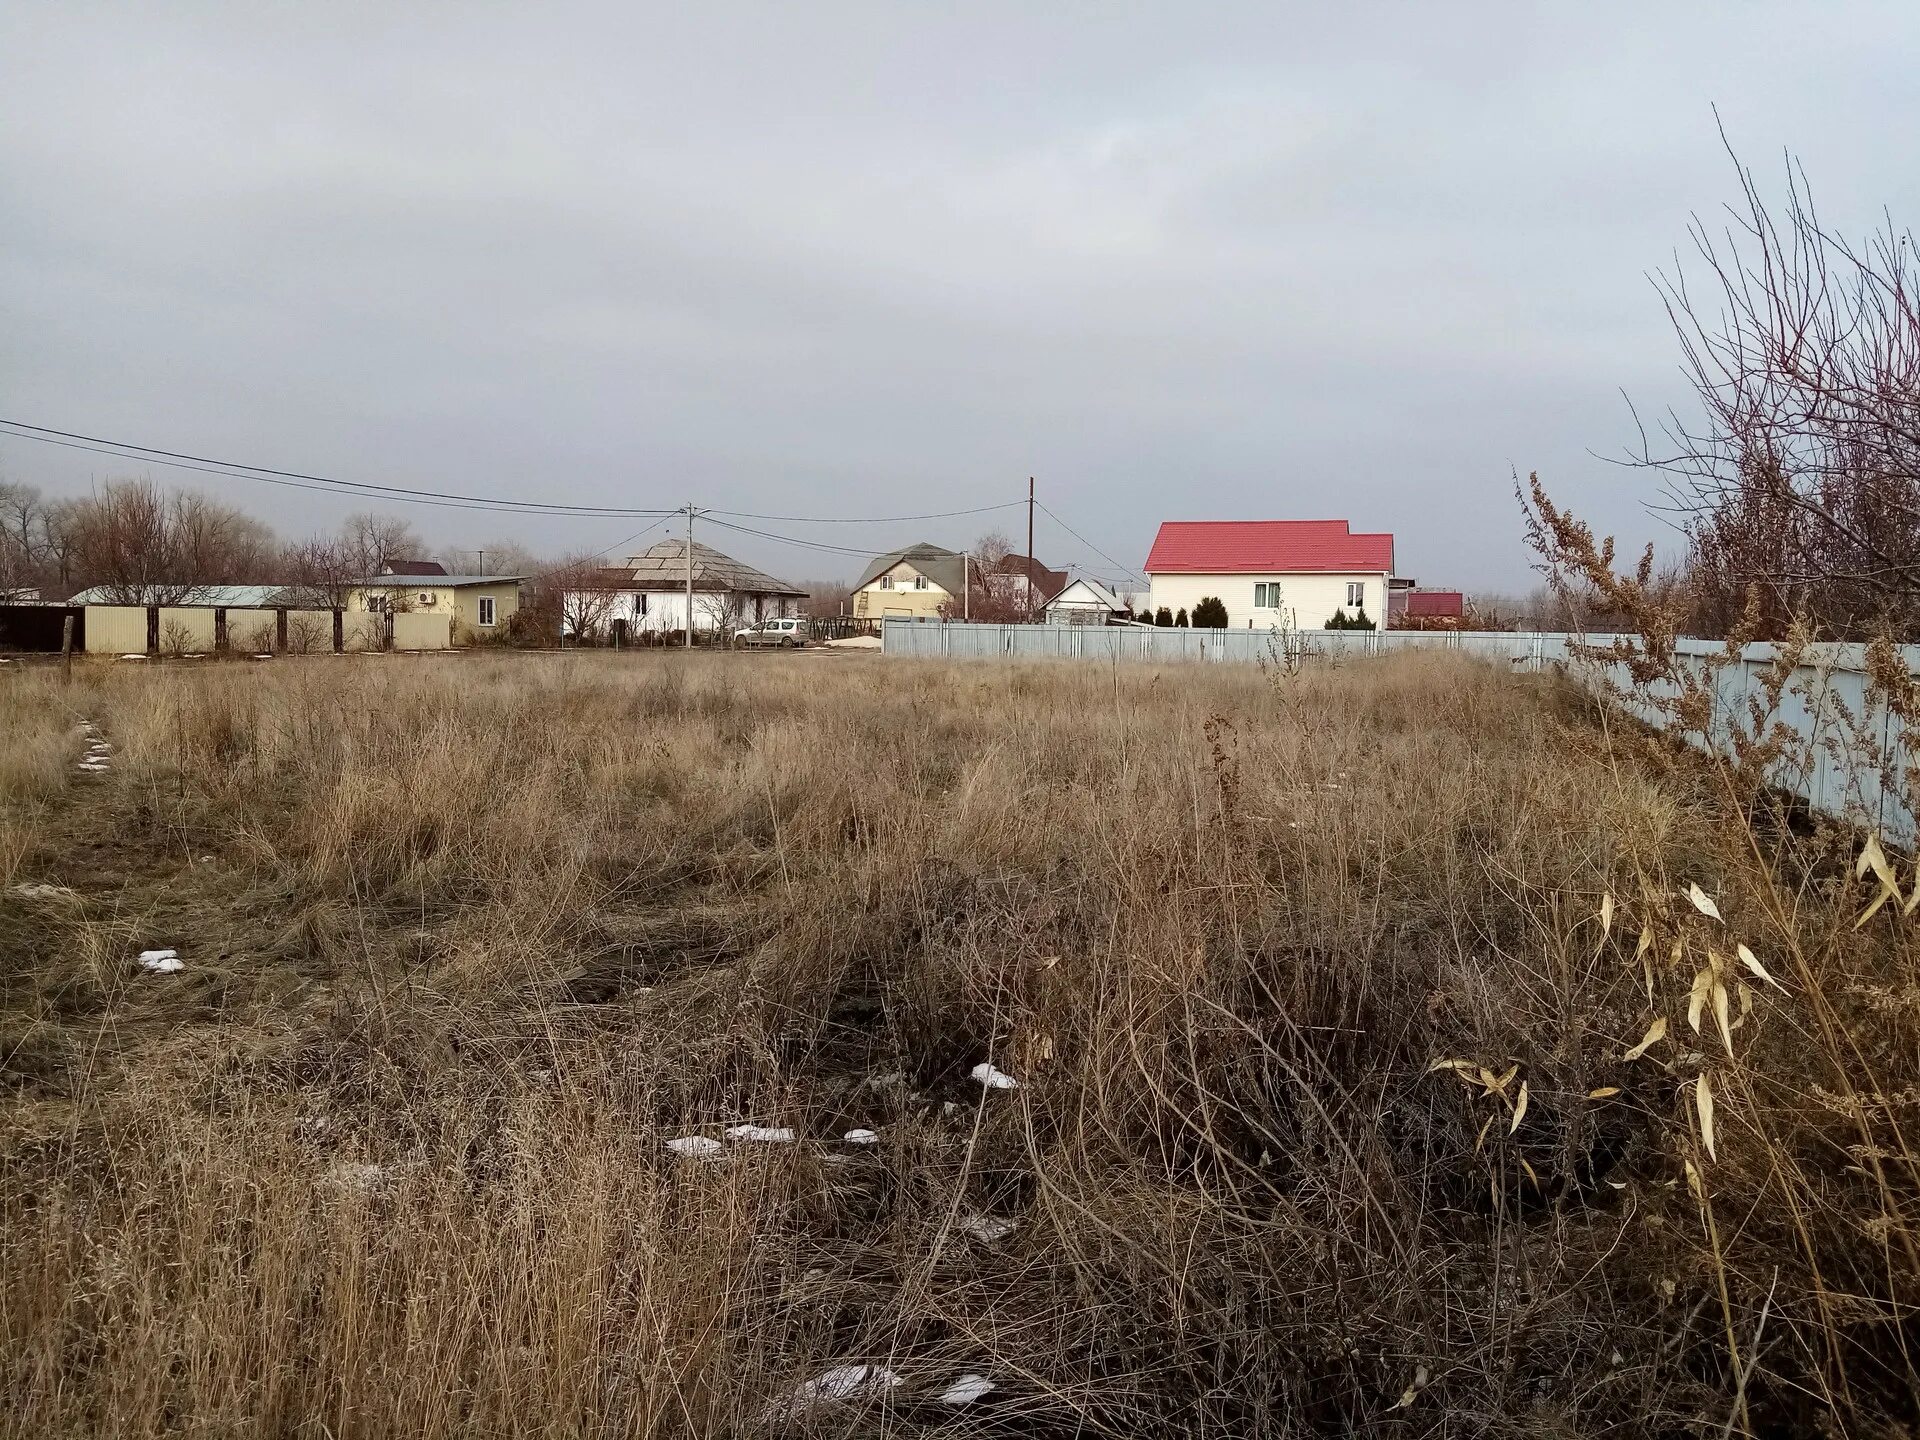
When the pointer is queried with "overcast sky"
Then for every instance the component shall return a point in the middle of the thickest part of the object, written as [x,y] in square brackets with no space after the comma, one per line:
[1176,261]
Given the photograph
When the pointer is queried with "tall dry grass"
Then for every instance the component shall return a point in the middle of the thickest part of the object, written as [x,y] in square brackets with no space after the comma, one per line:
[467,941]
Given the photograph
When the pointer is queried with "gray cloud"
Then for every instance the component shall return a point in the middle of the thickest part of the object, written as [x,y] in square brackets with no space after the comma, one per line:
[836,259]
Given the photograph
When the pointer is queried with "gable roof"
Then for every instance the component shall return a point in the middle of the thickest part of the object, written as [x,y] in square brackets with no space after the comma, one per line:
[1096,594]
[1234,547]
[943,567]
[1436,604]
[1039,578]
[413,567]
[663,566]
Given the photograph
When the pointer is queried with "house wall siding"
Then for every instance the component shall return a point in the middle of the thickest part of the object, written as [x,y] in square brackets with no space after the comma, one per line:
[1307,602]
[872,602]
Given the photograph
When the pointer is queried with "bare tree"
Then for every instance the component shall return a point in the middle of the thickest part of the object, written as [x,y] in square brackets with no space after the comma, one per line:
[321,572]
[1799,482]
[23,538]
[372,542]
[503,557]
[144,546]
[578,592]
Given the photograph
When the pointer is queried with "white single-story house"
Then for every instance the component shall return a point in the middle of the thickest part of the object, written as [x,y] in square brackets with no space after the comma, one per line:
[649,593]
[1084,602]
[1271,574]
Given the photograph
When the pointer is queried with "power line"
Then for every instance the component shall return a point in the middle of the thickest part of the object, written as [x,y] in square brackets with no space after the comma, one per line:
[866,519]
[294,479]
[1124,569]
[708,515]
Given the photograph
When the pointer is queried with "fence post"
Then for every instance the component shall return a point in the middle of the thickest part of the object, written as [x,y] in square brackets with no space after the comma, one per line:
[66,648]
[220,645]
[339,630]
[153,629]
[280,629]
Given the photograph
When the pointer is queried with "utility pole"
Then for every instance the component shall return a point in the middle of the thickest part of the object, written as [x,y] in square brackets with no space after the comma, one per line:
[689,644]
[483,554]
[1031,562]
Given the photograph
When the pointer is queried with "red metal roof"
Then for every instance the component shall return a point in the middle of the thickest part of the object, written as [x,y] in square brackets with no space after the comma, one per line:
[1436,604]
[1235,547]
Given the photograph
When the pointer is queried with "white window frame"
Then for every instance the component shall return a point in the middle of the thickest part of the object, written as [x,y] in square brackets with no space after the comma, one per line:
[1270,590]
[1357,594]
[919,582]
[886,581]
[486,611]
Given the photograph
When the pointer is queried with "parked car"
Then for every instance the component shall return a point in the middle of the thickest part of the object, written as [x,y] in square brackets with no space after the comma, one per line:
[790,631]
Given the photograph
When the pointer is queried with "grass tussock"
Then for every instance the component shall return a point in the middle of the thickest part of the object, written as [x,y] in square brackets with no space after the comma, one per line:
[465,943]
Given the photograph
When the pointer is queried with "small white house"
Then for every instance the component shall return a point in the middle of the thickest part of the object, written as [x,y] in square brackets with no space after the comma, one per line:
[649,593]
[1084,602]
[1272,574]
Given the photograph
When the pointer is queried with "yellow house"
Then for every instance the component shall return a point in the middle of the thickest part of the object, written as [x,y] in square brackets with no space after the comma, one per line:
[477,604]
[922,582]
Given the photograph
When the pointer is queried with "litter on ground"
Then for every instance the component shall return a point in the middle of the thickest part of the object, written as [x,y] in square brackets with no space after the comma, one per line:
[770,1134]
[993,1079]
[698,1147]
[43,891]
[986,1228]
[133,657]
[966,1390]
[161,962]
[861,1137]
[842,1382]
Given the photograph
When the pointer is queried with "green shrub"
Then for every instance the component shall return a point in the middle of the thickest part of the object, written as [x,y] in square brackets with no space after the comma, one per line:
[1180,618]
[1210,614]
[1163,616]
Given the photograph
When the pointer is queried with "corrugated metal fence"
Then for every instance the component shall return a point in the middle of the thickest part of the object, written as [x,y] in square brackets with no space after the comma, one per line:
[1837,767]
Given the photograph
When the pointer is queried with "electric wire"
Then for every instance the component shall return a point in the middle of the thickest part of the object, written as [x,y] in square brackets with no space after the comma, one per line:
[177,459]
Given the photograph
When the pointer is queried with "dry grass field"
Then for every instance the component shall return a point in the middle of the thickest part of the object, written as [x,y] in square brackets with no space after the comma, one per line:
[464,943]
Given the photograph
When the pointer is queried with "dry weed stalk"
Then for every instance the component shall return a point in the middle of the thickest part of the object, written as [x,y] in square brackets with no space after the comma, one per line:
[465,945]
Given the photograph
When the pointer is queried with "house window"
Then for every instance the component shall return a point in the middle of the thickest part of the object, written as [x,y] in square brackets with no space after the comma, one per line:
[886,582]
[919,582]
[1266,595]
[1356,593]
[486,609]
[377,604]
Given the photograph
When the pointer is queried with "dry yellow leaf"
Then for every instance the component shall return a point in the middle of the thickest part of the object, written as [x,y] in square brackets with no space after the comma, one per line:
[1874,909]
[1752,962]
[1483,1135]
[1697,997]
[1693,1180]
[1703,902]
[1605,1092]
[1873,858]
[1647,964]
[1746,1002]
[1703,1102]
[1459,1065]
[1519,1108]
[1720,1014]
[1530,1175]
[1655,1032]
[1646,942]
[1606,915]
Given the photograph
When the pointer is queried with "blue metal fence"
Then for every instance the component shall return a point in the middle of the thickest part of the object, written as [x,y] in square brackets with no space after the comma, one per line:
[1837,766]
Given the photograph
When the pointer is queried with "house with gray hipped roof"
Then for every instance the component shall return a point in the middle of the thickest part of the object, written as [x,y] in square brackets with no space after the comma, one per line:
[648,592]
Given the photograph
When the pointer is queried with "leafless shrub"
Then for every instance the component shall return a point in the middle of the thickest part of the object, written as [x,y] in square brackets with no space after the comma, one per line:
[1798,479]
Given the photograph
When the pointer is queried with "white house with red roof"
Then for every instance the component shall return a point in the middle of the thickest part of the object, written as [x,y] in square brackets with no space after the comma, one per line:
[1284,574]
